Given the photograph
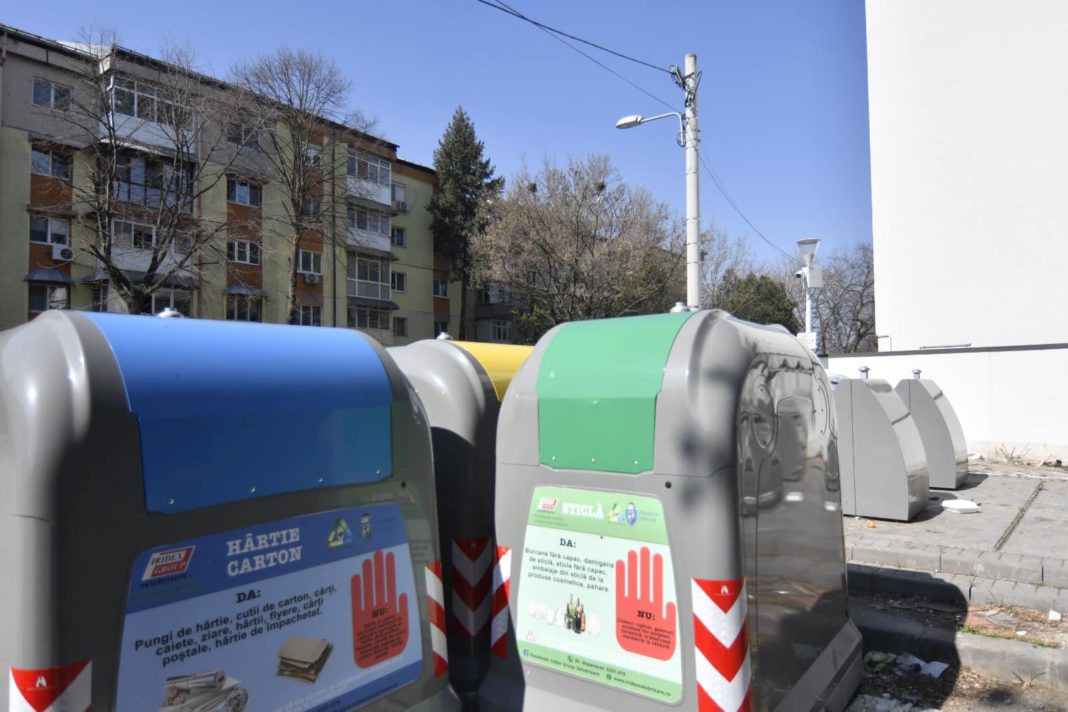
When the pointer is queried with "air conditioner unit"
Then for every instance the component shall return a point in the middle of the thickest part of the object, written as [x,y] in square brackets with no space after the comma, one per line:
[62,253]
[400,206]
[310,278]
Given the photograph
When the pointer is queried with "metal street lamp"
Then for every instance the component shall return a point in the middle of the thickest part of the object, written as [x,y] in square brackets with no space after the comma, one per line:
[813,276]
[689,140]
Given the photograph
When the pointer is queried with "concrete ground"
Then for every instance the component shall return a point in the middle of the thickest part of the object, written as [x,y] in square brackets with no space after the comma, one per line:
[943,586]
[1013,551]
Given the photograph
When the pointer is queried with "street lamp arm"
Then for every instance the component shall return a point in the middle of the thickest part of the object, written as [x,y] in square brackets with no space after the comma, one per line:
[629,122]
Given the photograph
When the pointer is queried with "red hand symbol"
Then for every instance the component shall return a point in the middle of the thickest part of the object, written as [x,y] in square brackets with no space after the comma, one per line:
[379,619]
[644,625]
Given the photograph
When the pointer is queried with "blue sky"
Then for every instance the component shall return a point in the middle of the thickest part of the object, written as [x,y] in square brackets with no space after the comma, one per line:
[782,102]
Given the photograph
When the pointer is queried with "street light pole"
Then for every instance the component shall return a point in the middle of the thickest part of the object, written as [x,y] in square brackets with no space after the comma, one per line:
[813,279]
[693,188]
[690,140]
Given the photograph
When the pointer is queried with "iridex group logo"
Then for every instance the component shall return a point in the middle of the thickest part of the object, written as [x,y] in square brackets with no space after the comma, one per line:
[548,504]
[168,563]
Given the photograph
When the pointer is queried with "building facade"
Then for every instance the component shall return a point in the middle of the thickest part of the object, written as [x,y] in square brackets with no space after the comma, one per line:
[171,190]
[966,104]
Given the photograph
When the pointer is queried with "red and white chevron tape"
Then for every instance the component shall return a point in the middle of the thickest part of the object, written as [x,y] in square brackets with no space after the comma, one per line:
[721,639]
[472,578]
[502,576]
[435,595]
[56,689]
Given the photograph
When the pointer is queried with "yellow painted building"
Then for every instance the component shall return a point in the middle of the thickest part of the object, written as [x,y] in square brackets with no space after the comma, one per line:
[366,259]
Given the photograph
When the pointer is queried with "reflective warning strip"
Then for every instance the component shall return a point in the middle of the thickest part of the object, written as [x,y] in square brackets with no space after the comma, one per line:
[472,578]
[435,594]
[502,576]
[721,639]
[60,689]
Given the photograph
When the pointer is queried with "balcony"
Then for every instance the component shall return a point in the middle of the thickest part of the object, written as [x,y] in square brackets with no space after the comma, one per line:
[364,238]
[150,134]
[369,290]
[368,190]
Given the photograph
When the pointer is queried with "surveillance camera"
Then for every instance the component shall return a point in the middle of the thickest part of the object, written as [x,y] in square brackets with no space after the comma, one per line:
[799,273]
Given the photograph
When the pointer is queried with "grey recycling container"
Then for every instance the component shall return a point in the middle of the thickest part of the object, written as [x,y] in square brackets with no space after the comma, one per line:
[667,515]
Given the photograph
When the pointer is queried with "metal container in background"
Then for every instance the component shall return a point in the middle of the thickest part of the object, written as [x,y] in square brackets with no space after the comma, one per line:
[460,385]
[882,461]
[216,515]
[667,512]
[940,430]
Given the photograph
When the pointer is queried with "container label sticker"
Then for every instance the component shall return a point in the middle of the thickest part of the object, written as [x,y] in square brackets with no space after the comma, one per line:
[597,591]
[311,613]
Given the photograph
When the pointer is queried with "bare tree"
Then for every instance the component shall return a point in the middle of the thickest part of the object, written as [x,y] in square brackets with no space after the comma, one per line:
[296,100]
[721,254]
[843,310]
[578,243]
[151,131]
[846,304]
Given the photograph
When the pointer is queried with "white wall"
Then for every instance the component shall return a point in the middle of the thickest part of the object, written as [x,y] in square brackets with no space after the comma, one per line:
[1009,400]
[968,103]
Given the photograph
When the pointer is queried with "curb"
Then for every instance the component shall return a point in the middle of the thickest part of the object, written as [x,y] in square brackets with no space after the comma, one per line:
[1007,660]
[1037,570]
[954,588]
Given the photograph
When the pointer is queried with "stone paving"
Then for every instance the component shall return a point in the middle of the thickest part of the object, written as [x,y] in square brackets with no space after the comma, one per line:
[1015,550]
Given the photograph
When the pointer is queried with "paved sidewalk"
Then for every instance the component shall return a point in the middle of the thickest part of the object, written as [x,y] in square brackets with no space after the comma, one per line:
[1013,551]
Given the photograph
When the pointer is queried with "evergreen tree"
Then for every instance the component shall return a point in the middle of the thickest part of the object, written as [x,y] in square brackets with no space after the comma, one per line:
[757,298]
[465,181]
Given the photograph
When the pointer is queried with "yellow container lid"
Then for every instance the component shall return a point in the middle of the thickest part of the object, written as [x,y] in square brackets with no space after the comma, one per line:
[499,361]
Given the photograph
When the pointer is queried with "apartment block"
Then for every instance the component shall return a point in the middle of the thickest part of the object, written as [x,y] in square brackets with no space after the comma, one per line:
[162,194]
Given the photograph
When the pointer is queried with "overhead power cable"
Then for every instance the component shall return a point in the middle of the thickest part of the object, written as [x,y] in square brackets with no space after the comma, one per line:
[515,13]
[726,196]
[503,6]
[672,72]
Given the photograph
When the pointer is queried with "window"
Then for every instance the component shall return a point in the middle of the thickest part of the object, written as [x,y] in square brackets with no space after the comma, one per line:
[143,101]
[243,308]
[130,234]
[491,294]
[48,296]
[371,275]
[441,327]
[397,192]
[399,281]
[242,134]
[243,192]
[368,220]
[398,237]
[494,330]
[50,95]
[315,155]
[151,182]
[400,326]
[100,298]
[49,231]
[50,163]
[502,330]
[243,251]
[167,298]
[369,318]
[310,262]
[368,167]
[310,315]
[311,208]
[441,287]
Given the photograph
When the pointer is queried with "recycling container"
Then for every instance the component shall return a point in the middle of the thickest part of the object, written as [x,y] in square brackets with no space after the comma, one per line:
[460,384]
[214,516]
[883,465]
[943,437]
[667,517]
